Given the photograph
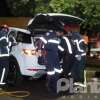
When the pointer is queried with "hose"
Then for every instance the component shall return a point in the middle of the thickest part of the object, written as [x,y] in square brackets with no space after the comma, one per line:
[17,94]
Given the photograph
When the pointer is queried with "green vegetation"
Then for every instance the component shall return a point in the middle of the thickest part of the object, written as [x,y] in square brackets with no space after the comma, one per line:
[86,9]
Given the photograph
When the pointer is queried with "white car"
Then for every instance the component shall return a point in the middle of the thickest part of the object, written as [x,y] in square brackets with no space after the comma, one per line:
[23,59]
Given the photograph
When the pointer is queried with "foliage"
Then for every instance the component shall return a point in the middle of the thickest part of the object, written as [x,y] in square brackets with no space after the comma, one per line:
[86,9]
[21,7]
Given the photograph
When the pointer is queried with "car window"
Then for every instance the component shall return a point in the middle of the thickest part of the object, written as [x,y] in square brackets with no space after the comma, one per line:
[23,38]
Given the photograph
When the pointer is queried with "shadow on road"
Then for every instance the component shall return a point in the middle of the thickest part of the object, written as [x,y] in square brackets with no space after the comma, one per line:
[36,88]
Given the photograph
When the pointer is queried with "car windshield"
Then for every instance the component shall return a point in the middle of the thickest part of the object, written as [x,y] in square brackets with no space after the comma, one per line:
[23,37]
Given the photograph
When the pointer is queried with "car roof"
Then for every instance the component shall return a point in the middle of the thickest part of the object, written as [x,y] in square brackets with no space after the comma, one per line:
[19,29]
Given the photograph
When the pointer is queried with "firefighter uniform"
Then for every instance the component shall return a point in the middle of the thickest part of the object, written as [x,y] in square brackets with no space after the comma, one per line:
[79,58]
[52,58]
[67,55]
[4,55]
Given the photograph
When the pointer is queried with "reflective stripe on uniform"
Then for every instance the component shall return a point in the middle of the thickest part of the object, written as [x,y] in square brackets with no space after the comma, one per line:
[3,38]
[80,84]
[58,70]
[43,39]
[53,41]
[4,55]
[2,77]
[60,48]
[78,46]
[83,54]
[51,72]
[82,40]
[9,44]
[8,50]
[68,44]
[85,80]
[77,56]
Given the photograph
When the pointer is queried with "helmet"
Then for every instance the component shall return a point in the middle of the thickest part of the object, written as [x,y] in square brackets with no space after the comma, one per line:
[4,27]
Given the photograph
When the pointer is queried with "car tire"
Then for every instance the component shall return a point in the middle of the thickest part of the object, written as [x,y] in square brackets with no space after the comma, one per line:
[14,76]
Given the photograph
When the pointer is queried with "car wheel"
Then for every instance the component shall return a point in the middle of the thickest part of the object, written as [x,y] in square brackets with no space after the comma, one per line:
[14,76]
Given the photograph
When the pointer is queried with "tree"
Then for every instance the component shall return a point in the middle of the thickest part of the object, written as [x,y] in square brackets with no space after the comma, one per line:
[21,7]
[86,9]
[4,9]
[62,6]
[42,6]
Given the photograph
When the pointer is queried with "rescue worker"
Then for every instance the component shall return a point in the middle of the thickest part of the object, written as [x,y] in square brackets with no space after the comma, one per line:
[66,57]
[4,55]
[74,57]
[51,45]
[79,52]
[12,40]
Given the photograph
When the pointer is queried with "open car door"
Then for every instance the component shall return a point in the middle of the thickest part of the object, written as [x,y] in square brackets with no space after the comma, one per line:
[41,23]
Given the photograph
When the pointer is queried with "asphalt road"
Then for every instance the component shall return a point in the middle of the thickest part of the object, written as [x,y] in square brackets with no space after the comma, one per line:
[38,91]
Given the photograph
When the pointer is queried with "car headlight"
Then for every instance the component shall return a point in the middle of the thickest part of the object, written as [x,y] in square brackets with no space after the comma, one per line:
[29,52]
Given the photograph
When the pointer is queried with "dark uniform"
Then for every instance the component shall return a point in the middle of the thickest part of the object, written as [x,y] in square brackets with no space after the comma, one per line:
[52,58]
[67,55]
[4,55]
[74,56]
[79,58]
[12,42]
